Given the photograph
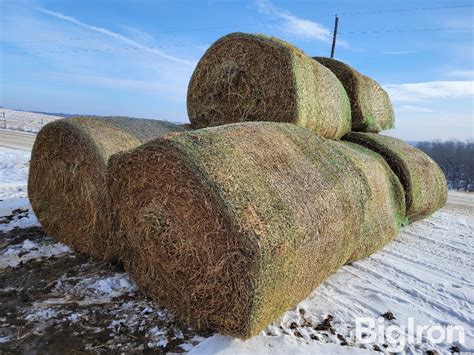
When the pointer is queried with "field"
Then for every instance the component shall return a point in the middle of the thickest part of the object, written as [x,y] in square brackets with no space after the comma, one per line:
[55,300]
[23,120]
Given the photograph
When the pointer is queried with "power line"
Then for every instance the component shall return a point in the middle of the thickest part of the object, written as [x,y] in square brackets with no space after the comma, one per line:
[258,23]
[405,10]
[157,33]
[111,49]
[408,30]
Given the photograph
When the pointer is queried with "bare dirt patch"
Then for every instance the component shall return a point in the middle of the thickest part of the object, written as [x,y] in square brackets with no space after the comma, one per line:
[71,303]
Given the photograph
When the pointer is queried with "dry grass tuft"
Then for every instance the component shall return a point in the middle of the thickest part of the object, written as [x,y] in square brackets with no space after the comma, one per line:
[230,226]
[422,179]
[67,181]
[244,77]
[371,107]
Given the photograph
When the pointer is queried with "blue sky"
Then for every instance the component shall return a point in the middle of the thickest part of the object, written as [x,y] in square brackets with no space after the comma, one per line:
[147,51]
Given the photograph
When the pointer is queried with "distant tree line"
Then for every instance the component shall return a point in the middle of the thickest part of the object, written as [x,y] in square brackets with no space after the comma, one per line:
[456,158]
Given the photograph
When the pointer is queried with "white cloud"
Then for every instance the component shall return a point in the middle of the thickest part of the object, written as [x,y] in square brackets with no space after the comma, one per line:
[430,90]
[295,25]
[301,27]
[412,108]
[465,74]
[399,52]
[175,92]
[265,7]
[114,35]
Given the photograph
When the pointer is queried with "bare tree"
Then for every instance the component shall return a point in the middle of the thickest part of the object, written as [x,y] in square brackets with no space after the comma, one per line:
[456,158]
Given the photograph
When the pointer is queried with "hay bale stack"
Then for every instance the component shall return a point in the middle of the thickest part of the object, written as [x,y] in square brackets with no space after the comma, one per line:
[230,226]
[244,77]
[67,181]
[422,179]
[371,107]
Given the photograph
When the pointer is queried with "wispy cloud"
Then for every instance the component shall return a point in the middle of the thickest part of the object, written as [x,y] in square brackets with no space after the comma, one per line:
[399,52]
[430,90]
[295,25]
[413,108]
[465,74]
[114,35]
[146,86]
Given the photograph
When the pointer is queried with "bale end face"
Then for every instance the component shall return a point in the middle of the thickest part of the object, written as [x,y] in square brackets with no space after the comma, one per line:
[66,186]
[229,84]
[194,265]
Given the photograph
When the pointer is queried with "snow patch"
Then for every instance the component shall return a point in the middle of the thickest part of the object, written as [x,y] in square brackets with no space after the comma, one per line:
[74,317]
[14,255]
[15,209]
[14,165]
[16,212]
[41,315]
[113,286]
[93,290]
[283,344]
[158,338]
[5,339]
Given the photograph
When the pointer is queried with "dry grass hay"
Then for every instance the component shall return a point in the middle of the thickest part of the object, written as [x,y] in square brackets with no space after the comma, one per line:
[186,126]
[244,77]
[385,202]
[422,179]
[67,181]
[371,107]
[230,226]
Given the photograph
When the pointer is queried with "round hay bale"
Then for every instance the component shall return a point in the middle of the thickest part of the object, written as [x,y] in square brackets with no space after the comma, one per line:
[371,107]
[385,202]
[230,226]
[245,77]
[67,180]
[422,179]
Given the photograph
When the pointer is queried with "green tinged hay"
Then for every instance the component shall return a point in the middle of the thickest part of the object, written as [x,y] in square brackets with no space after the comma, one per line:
[371,107]
[385,203]
[67,180]
[422,179]
[244,77]
[230,226]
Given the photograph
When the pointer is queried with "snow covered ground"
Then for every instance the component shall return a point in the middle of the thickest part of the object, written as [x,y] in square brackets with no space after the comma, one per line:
[23,120]
[425,276]
[14,204]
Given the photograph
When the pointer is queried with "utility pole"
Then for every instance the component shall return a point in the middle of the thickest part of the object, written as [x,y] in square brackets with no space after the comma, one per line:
[334,35]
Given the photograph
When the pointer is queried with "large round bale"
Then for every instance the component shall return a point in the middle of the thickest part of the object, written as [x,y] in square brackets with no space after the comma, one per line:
[422,179]
[230,226]
[385,202]
[67,181]
[245,77]
[371,107]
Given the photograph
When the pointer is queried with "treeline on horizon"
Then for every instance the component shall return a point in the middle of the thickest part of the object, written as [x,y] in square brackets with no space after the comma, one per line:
[456,158]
